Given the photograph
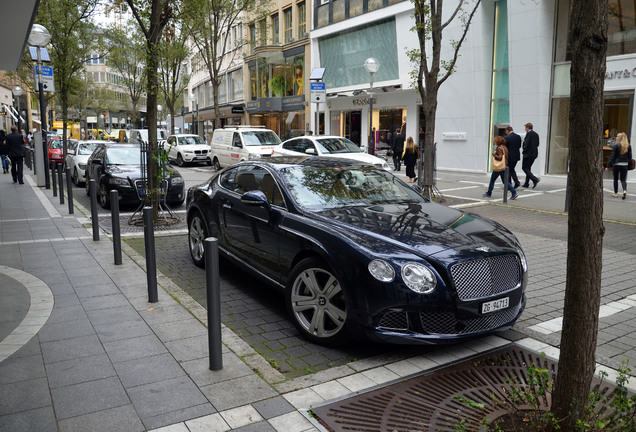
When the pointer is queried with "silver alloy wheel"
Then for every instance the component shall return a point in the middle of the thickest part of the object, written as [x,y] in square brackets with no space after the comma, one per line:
[216,164]
[196,238]
[180,161]
[317,302]
[103,197]
[76,177]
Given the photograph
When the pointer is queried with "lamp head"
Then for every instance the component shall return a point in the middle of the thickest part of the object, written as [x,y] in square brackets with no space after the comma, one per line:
[39,36]
[17,91]
[193,97]
[371,65]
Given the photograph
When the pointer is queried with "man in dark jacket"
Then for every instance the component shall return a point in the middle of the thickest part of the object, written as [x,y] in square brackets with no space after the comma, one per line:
[398,149]
[15,145]
[530,153]
[513,143]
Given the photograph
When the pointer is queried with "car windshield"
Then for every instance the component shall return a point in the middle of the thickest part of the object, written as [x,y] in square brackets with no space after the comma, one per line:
[86,149]
[337,145]
[260,138]
[56,144]
[191,140]
[320,187]
[123,156]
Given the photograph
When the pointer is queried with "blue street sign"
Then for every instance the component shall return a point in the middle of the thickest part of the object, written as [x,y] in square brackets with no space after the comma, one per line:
[47,71]
[318,86]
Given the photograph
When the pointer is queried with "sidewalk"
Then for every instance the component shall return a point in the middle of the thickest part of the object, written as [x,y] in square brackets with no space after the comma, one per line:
[82,349]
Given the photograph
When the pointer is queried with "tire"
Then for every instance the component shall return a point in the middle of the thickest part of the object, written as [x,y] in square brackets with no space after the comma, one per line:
[180,161]
[197,233]
[316,302]
[103,197]
[75,177]
[209,162]
[216,164]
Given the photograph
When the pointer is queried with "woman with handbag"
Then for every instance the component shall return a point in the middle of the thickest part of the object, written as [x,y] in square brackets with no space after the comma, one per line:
[499,163]
[411,155]
[619,160]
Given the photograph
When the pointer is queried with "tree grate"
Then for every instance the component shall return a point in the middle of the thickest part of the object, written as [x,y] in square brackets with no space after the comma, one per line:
[428,402]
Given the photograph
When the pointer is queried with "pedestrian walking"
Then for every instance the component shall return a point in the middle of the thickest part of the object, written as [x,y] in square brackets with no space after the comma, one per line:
[411,155]
[513,144]
[530,153]
[619,162]
[499,161]
[398,150]
[4,152]
[15,144]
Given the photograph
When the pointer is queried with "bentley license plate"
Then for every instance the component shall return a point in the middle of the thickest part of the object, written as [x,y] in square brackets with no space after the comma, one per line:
[495,305]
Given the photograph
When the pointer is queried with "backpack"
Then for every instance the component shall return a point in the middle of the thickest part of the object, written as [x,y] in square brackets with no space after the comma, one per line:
[498,160]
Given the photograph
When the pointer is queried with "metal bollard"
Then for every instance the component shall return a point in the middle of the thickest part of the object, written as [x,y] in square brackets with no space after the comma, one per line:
[151,261]
[54,177]
[506,179]
[92,189]
[213,291]
[69,190]
[114,213]
[60,182]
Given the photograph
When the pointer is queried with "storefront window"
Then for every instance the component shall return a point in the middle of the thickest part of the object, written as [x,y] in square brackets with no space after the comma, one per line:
[621,30]
[342,55]
[253,82]
[277,83]
[236,85]
[263,77]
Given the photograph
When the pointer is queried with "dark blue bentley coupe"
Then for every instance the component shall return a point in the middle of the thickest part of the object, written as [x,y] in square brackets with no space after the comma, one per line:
[358,251]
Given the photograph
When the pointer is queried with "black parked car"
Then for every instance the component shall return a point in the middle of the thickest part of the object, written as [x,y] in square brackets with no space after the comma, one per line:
[118,166]
[356,250]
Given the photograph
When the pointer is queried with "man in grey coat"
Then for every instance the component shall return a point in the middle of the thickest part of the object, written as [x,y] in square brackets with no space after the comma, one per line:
[15,147]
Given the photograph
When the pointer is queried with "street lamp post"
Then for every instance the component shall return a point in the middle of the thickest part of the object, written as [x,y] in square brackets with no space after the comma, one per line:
[160,115]
[40,38]
[17,92]
[193,98]
[371,65]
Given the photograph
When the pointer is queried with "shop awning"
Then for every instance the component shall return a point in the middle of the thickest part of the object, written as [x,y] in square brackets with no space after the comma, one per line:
[14,32]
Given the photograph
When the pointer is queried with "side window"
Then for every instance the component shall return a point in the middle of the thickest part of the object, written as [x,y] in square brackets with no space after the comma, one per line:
[228,179]
[308,144]
[236,140]
[291,145]
[171,140]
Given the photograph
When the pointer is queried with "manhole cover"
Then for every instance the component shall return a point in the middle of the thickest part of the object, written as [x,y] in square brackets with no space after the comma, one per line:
[427,402]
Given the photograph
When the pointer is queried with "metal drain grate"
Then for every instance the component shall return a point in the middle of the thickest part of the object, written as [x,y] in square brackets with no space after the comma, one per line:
[426,403]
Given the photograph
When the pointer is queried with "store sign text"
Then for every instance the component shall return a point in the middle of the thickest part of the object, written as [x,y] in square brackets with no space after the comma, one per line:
[362,101]
[618,74]
[454,136]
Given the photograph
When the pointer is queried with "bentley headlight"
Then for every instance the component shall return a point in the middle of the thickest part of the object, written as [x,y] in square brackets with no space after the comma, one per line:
[381,270]
[524,262]
[418,278]
[176,180]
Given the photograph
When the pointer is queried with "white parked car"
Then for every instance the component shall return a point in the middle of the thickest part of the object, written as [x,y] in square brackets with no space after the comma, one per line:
[187,148]
[77,154]
[330,146]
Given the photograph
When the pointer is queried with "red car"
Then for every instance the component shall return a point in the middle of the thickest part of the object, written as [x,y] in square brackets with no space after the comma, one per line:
[56,149]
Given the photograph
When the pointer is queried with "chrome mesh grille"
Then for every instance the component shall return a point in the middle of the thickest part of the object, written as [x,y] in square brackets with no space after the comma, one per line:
[486,277]
[395,320]
[445,323]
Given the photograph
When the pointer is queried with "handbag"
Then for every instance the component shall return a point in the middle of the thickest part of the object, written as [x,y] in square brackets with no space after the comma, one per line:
[631,165]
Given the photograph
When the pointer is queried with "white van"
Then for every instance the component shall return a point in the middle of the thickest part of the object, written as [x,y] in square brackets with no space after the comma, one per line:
[238,143]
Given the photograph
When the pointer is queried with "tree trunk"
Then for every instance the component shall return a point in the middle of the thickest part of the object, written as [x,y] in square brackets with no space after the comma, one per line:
[429,102]
[585,220]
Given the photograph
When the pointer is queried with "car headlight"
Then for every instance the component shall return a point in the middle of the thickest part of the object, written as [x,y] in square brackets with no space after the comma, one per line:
[418,278]
[82,167]
[118,181]
[176,180]
[524,262]
[254,156]
[381,270]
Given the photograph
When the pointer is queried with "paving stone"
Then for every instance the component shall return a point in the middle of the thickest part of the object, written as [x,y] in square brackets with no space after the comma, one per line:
[29,420]
[148,370]
[88,397]
[134,348]
[273,407]
[68,349]
[79,370]
[158,398]
[119,419]
[171,417]
[110,332]
[16,369]
[237,392]
[24,395]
